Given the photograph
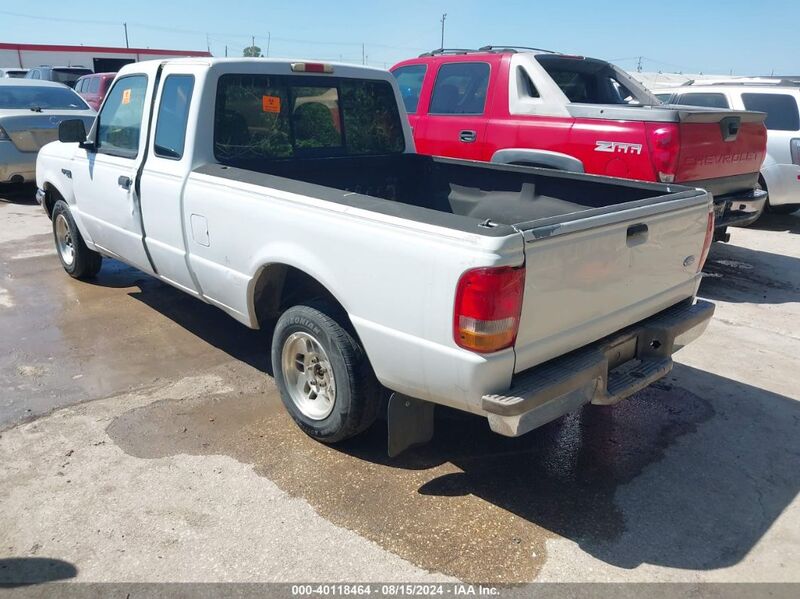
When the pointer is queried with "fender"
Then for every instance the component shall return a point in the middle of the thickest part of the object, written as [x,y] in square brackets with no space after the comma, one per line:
[540,158]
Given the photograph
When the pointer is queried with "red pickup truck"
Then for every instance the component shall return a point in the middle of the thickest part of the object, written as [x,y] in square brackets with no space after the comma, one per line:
[538,108]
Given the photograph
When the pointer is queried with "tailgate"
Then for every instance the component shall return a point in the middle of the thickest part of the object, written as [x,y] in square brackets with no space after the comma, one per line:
[715,144]
[595,275]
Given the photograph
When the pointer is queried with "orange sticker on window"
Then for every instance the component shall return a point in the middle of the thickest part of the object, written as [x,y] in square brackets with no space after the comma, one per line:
[126,96]
[270,104]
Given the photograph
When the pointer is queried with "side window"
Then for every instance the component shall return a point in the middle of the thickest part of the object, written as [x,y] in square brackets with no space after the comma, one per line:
[781,109]
[94,84]
[409,80]
[36,74]
[173,113]
[525,85]
[710,100]
[460,88]
[664,98]
[120,121]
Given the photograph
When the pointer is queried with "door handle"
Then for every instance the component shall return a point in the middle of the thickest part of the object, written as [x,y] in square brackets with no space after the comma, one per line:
[467,136]
[637,234]
[124,182]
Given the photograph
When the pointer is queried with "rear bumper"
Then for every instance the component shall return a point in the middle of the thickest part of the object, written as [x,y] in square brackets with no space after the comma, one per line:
[16,166]
[739,209]
[604,372]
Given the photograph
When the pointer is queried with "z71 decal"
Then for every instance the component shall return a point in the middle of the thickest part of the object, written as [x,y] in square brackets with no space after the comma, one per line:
[618,146]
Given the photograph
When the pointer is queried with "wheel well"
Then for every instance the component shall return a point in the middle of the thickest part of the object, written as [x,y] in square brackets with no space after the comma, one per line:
[280,286]
[51,196]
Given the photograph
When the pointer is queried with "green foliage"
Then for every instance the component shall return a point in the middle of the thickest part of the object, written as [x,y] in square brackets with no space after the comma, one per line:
[252,52]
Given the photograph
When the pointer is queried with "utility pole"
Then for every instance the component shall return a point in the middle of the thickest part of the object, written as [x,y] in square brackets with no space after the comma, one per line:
[125,25]
[226,50]
[443,19]
[269,38]
[639,65]
[363,55]
[208,44]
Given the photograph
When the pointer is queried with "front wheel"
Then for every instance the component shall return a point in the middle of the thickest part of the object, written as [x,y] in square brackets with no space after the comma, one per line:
[324,377]
[78,260]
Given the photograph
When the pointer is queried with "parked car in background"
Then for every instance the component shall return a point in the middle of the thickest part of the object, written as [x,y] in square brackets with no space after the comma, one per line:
[30,112]
[540,108]
[289,193]
[93,88]
[780,173]
[12,73]
[66,75]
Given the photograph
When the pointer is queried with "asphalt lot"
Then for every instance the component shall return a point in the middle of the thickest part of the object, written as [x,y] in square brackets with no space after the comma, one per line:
[141,439]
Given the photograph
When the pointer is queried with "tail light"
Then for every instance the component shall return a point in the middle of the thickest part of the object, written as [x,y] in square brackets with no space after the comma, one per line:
[487,308]
[3,135]
[794,146]
[311,67]
[707,242]
[665,144]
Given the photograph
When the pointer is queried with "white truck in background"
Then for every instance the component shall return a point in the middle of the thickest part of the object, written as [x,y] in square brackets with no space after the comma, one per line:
[288,194]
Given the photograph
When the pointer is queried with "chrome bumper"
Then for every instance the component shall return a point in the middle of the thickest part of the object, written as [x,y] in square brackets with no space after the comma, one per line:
[40,195]
[604,372]
[739,210]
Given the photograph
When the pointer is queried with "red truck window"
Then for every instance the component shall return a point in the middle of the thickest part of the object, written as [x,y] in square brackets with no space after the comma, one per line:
[460,88]
[409,80]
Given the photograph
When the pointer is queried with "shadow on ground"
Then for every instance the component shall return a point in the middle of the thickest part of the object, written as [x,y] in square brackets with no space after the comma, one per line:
[22,571]
[669,477]
[739,274]
[18,194]
[779,222]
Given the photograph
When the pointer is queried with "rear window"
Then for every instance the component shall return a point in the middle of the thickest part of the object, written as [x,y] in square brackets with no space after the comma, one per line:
[590,81]
[35,97]
[68,75]
[16,74]
[94,85]
[706,100]
[781,109]
[261,117]
[409,80]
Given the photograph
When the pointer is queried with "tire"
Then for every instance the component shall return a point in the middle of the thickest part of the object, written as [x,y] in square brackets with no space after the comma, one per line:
[78,260]
[340,397]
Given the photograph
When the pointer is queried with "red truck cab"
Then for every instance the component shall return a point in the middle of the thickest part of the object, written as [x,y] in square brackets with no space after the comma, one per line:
[93,88]
[544,109]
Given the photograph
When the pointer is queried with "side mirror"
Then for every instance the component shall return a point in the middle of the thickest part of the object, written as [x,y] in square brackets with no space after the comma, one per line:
[71,131]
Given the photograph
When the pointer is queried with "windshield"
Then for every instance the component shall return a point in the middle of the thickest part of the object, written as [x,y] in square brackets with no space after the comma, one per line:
[35,97]
[591,81]
[69,76]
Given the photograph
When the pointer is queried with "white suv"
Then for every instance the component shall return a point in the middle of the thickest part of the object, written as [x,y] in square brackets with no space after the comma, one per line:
[780,99]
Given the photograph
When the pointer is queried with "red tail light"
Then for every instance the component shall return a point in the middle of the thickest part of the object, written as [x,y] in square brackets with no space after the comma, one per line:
[709,238]
[487,308]
[312,67]
[665,144]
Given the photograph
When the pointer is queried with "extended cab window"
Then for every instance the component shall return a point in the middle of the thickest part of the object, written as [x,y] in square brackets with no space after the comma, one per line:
[409,80]
[707,100]
[94,85]
[274,116]
[460,88]
[120,121]
[781,109]
[173,113]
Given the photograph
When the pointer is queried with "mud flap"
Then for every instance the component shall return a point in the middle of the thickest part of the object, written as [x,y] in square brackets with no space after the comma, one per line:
[410,423]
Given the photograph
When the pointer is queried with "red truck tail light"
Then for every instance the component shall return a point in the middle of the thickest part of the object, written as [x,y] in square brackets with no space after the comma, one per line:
[665,145]
[487,308]
[794,147]
[707,242]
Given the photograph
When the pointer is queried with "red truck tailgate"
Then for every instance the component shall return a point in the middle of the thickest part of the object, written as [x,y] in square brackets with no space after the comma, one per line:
[720,144]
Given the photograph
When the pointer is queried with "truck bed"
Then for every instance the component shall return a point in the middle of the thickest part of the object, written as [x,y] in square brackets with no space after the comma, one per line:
[489,195]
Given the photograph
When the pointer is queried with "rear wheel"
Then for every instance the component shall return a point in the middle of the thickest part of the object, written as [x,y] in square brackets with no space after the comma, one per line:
[322,372]
[78,260]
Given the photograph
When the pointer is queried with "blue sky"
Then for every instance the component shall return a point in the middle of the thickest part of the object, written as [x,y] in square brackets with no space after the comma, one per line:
[710,36]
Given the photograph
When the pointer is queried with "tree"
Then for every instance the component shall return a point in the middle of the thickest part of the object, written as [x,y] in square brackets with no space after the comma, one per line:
[253,51]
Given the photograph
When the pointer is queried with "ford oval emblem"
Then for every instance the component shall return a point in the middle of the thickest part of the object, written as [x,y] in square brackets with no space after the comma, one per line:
[688,260]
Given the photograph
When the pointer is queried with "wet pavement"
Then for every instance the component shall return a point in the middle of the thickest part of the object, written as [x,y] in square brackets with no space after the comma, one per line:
[695,478]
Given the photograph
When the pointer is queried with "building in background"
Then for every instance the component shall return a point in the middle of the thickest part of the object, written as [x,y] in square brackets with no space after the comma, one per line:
[98,58]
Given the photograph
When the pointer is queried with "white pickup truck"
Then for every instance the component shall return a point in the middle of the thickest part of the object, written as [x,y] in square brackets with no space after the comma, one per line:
[288,194]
